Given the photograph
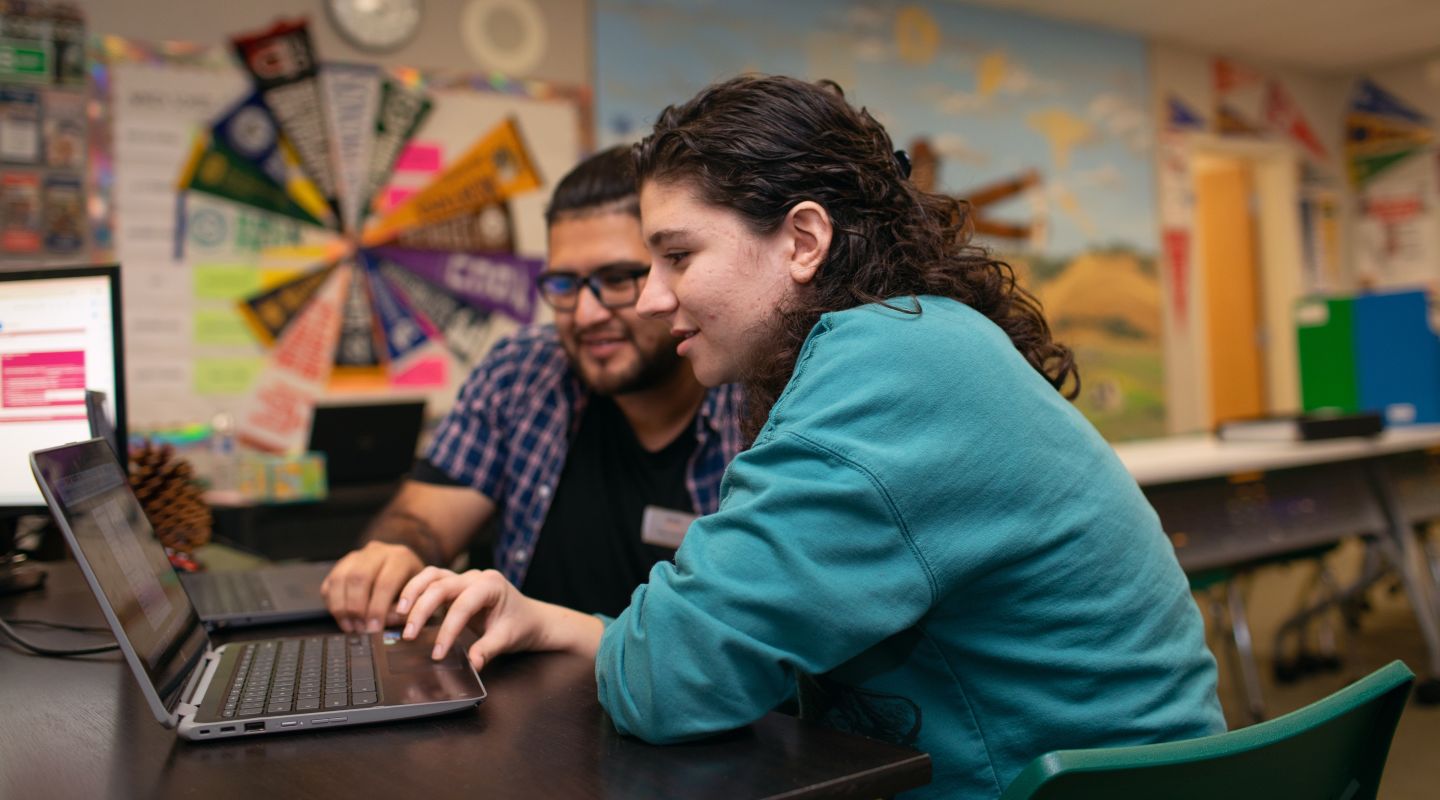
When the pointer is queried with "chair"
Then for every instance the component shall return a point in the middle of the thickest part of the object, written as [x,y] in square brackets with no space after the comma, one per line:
[1224,588]
[1334,748]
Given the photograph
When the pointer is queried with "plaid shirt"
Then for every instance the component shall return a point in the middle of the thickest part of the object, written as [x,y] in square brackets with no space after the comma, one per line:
[511,428]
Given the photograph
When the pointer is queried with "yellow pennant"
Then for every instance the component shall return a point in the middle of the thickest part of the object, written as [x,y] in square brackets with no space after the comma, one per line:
[494,169]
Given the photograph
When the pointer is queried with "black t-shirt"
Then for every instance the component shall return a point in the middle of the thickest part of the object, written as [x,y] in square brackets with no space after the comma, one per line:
[589,556]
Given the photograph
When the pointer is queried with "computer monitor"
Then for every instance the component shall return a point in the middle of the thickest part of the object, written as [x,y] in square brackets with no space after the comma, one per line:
[60,334]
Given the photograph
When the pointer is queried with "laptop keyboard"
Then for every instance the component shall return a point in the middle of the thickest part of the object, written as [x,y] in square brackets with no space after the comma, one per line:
[232,593]
[299,675]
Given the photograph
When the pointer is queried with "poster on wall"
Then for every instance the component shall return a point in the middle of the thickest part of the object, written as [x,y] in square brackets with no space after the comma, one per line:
[64,129]
[1387,147]
[1049,124]
[1398,230]
[20,222]
[1381,131]
[19,125]
[1284,117]
[219,209]
[1239,93]
[64,215]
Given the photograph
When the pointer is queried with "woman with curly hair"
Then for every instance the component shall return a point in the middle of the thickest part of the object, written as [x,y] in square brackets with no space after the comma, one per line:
[925,541]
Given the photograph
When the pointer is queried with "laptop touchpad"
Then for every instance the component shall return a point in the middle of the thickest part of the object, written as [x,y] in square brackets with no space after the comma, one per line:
[410,676]
[414,656]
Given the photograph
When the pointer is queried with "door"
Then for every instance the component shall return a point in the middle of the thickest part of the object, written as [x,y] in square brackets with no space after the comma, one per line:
[1226,232]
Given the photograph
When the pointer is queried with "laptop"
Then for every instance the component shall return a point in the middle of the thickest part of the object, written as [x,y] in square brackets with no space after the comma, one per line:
[367,443]
[244,688]
[264,596]
[261,596]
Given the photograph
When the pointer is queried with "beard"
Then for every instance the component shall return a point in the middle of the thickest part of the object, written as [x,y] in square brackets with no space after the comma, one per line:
[654,364]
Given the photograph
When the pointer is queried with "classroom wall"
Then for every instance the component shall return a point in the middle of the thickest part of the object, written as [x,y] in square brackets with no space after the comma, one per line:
[193,355]
[439,44]
[838,43]
[1048,120]
[1287,124]
[1356,230]
[1416,80]
[1396,221]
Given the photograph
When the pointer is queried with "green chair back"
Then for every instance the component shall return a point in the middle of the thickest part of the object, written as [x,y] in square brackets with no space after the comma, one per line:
[1334,748]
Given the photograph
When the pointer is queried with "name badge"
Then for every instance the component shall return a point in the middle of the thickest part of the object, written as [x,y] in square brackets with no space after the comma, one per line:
[664,527]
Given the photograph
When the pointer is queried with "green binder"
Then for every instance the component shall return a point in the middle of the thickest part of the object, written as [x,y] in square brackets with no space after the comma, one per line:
[1325,328]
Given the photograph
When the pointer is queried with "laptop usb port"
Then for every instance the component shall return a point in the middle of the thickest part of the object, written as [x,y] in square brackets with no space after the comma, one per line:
[292,723]
[228,729]
[254,726]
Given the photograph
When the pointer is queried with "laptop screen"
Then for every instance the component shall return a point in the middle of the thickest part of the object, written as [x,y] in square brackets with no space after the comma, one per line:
[87,488]
[367,443]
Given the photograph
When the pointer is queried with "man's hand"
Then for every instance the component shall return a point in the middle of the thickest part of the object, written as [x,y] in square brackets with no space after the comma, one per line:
[422,523]
[505,620]
[361,590]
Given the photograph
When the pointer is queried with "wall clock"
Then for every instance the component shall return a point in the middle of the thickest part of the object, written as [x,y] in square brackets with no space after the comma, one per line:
[376,26]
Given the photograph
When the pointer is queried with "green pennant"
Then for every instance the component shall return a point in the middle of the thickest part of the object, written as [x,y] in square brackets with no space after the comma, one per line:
[1363,168]
[216,169]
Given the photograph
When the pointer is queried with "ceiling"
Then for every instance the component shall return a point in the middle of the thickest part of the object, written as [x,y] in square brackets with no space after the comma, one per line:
[1317,35]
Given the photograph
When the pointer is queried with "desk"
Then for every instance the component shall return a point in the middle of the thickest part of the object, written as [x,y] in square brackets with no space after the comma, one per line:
[1184,458]
[315,531]
[79,728]
[1231,503]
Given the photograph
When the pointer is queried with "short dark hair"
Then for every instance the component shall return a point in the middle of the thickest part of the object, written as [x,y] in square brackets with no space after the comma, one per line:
[604,182]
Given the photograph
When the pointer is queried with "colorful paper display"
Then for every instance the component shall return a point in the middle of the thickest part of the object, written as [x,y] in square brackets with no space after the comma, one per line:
[309,151]
[1381,131]
[495,169]
[492,281]
[250,131]
[283,66]
[217,170]
[464,328]
[272,311]
[352,99]
[402,110]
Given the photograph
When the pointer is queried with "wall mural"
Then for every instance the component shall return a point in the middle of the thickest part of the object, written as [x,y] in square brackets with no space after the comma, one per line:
[1044,126]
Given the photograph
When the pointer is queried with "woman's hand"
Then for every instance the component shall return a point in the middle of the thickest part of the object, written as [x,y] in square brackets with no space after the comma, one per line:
[505,620]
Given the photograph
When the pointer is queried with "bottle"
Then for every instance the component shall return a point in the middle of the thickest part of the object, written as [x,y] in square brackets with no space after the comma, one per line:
[223,455]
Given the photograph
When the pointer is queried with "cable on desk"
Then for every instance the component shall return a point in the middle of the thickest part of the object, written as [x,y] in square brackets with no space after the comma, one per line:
[64,626]
[54,652]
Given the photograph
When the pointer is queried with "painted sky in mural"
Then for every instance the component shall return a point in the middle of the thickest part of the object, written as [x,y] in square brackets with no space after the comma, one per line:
[995,93]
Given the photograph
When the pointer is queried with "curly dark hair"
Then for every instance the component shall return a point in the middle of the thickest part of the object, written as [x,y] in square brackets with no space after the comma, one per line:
[758,145]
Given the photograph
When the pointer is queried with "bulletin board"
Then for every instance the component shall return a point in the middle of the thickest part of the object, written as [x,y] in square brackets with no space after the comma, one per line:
[43,137]
[189,260]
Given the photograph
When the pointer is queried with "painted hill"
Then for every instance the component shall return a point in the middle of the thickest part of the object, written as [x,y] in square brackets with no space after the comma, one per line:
[1102,297]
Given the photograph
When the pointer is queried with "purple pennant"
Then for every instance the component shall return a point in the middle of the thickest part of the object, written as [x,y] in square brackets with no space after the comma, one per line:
[492,281]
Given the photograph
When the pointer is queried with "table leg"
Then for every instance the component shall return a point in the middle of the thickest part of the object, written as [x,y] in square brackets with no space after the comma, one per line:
[1245,648]
[1403,548]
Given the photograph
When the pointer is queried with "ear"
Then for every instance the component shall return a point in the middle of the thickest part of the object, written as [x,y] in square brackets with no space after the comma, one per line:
[808,230]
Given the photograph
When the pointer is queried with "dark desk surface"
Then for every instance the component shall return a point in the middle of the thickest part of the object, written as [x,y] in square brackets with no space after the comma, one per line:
[80,728]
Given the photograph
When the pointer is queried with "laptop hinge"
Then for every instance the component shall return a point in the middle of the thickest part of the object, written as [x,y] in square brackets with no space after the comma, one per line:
[195,690]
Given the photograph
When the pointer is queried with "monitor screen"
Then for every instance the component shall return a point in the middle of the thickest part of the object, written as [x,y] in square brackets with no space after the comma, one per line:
[59,335]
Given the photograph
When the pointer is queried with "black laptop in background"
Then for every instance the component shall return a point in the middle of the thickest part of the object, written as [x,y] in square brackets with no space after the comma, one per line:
[264,596]
[367,443]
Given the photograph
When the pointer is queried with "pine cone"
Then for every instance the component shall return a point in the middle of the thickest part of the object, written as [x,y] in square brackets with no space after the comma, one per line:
[170,496]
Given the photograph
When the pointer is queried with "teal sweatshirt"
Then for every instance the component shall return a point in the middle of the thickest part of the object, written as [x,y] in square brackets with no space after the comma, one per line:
[938,537]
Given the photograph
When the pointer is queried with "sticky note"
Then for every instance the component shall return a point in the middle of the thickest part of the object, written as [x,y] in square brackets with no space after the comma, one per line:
[227,375]
[223,282]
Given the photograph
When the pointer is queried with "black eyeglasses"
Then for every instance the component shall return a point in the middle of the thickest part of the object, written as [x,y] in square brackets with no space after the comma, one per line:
[614,285]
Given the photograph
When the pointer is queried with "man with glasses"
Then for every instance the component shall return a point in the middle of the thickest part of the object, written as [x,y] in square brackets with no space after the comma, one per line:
[589,438]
